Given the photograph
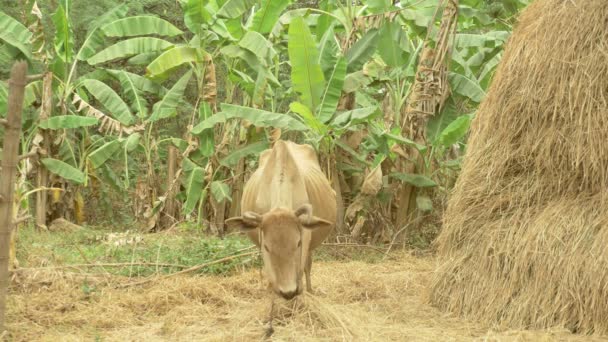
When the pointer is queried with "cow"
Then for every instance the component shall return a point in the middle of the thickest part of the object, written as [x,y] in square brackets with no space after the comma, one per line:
[288,208]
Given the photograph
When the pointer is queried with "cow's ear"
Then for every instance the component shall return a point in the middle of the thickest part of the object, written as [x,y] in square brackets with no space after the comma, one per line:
[307,220]
[249,220]
[314,222]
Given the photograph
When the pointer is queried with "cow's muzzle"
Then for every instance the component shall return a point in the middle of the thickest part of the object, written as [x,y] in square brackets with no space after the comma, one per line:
[289,295]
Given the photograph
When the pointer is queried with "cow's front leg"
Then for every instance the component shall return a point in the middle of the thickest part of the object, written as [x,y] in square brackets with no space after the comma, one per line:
[307,268]
[269,329]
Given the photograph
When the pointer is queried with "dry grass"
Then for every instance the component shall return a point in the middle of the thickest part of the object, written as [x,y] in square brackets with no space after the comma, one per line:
[354,301]
[525,239]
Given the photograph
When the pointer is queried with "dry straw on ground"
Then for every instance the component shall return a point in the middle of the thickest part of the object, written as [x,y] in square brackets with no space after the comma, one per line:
[525,241]
[354,301]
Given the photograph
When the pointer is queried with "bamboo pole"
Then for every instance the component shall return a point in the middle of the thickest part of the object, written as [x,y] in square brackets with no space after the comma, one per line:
[10,158]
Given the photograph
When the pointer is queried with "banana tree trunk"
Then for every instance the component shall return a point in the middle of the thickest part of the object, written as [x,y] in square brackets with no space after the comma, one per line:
[170,209]
[237,192]
[429,92]
[335,182]
[9,169]
[42,176]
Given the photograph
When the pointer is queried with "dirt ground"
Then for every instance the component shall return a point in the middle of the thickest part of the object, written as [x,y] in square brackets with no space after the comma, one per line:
[353,301]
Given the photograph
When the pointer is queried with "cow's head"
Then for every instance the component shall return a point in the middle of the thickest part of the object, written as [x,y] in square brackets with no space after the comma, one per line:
[281,242]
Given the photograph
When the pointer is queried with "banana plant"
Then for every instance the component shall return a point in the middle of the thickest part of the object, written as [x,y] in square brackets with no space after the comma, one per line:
[86,101]
[170,53]
[393,36]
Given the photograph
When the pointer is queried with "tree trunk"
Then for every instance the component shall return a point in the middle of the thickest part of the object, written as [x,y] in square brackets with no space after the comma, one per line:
[9,169]
[42,176]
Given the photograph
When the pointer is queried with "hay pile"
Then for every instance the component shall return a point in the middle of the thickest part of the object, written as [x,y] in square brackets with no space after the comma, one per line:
[354,301]
[525,241]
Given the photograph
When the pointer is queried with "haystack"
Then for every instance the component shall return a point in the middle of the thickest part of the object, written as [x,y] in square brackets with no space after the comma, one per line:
[525,242]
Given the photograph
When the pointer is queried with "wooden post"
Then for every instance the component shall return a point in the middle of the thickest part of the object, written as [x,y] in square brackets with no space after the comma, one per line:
[9,169]
[42,176]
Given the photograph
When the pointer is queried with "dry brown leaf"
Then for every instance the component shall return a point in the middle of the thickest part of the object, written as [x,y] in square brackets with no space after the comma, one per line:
[107,125]
[399,150]
[358,227]
[373,182]
[355,207]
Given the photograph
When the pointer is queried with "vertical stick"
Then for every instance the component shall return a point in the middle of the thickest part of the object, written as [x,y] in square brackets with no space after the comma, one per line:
[9,169]
[42,176]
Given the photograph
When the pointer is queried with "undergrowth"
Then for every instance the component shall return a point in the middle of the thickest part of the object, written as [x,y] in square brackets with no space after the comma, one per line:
[184,247]
[89,245]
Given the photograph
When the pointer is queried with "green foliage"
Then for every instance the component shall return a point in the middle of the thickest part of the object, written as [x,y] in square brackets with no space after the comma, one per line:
[306,74]
[415,180]
[103,153]
[3,99]
[267,16]
[110,100]
[194,189]
[466,87]
[270,70]
[257,117]
[140,26]
[258,45]
[167,107]
[455,131]
[64,37]
[391,43]
[250,149]
[362,50]
[128,48]
[196,14]
[354,117]
[134,92]
[173,58]
[13,33]
[328,52]
[424,203]
[67,121]
[331,95]
[132,142]
[310,120]
[64,170]
[220,191]
[234,8]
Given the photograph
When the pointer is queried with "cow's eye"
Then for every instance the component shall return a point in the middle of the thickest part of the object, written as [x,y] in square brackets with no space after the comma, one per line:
[299,243]
[266,248]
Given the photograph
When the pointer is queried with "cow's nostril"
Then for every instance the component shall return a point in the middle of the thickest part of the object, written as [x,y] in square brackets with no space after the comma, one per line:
[289,295]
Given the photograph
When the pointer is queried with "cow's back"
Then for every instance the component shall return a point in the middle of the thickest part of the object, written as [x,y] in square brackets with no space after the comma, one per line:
[289,175]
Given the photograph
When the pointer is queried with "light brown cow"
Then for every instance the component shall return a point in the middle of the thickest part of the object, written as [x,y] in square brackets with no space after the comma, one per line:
[288,208]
